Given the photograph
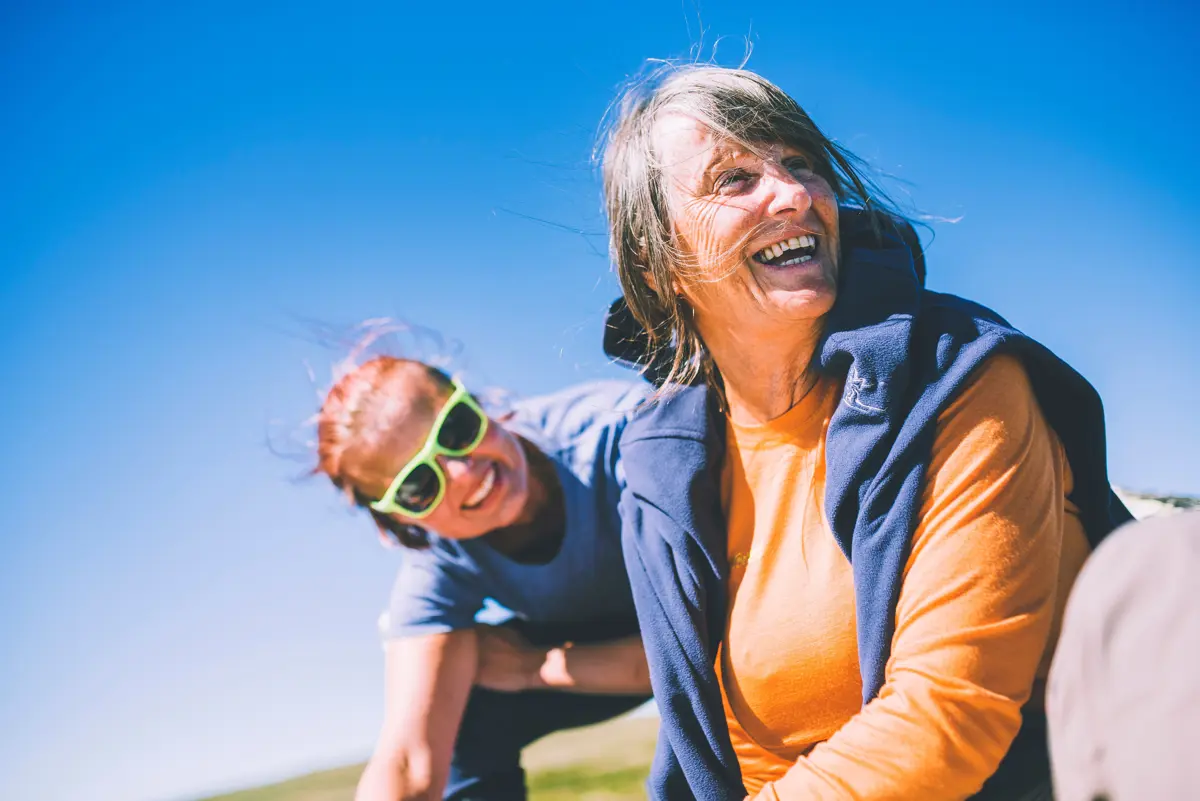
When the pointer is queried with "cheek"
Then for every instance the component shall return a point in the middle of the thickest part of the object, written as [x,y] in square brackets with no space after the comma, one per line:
[710,229]
[493,441]
[824,202]
[503,443]
[827,210]
[503,447]
[718,299]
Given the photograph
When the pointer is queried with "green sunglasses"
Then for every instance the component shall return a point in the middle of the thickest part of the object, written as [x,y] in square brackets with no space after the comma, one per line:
[420,485]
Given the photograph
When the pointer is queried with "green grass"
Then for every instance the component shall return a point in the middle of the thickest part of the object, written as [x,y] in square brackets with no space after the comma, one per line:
[327,785]
[589,783]
[608,762]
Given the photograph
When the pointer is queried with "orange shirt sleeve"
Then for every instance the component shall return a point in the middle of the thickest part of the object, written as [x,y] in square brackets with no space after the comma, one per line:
[974,612]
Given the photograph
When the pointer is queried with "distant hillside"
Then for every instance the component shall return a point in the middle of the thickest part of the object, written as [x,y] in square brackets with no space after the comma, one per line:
[1147,505]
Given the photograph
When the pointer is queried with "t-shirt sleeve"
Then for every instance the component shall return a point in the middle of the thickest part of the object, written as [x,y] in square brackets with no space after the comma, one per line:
[435,592]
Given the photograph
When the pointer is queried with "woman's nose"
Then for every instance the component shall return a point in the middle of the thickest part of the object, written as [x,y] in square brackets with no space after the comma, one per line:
[787,194]
[456,467]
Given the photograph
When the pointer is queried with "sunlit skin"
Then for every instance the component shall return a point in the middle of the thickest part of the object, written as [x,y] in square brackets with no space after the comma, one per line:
[454,518]
[760,323]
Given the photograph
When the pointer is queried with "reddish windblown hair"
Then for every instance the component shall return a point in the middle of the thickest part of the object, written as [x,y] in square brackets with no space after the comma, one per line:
[359,425]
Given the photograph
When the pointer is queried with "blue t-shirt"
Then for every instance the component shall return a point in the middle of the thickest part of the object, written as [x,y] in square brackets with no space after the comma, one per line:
[455,583]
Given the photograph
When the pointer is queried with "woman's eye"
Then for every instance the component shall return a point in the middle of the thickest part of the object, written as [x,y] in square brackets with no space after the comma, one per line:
[733,180]
[797,164]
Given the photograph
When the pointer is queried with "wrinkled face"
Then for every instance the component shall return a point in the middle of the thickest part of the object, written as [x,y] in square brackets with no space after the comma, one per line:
[485,490]
[760,228]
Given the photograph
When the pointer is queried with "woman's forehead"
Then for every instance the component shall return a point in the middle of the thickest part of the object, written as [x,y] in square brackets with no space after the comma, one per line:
[686,144]
[418,405]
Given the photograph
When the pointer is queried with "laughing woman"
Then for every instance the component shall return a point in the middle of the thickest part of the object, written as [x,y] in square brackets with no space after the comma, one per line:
[851,538]
[519,510]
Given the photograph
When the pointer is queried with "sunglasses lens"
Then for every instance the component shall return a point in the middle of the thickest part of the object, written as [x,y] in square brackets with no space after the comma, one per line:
[420,489]
[460,429]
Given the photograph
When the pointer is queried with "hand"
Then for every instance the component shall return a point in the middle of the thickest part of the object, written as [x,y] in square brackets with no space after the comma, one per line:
[507,662]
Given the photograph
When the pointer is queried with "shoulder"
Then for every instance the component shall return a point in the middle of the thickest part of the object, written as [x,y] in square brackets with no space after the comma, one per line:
[995,411]
[973,355]
[963,344]
[681,413]
[561,418]
[1000,381]
[441,574]
[441,555]
[952,327]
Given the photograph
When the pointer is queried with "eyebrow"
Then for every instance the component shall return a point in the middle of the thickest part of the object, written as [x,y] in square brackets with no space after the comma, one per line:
[722,152]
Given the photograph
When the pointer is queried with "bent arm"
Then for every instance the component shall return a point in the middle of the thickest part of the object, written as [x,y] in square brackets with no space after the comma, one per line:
[510,663]
[974,614]
[427,682]
[614,667]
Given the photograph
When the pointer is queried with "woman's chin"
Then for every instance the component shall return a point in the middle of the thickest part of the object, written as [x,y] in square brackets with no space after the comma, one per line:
[804,291]
[801,303]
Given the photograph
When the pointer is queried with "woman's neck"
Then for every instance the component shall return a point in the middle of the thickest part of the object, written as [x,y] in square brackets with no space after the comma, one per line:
[764,374]
[537,534]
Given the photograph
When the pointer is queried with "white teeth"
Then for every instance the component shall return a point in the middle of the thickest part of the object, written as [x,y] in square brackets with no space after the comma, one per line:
[771,252]
[484,489]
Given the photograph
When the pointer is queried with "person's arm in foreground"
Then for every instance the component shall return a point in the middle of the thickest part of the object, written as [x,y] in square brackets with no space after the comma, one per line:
[507,662]
[427,682]
[974,612]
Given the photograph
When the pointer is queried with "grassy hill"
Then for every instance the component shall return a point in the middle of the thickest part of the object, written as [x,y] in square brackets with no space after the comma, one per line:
[608,762]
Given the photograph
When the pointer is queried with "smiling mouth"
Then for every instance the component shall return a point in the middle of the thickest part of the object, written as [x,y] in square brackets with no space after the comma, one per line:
[484,490]
[788,252]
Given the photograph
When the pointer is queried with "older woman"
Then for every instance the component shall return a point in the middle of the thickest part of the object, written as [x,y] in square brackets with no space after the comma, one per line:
[851,538]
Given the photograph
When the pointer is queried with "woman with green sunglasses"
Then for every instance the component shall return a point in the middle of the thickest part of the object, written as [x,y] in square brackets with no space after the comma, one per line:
[509,521]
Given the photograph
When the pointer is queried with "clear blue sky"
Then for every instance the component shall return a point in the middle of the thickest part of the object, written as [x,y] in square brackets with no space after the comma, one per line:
[178,186]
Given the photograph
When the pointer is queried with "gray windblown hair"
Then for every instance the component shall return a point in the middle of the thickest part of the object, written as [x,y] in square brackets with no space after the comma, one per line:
[736,105]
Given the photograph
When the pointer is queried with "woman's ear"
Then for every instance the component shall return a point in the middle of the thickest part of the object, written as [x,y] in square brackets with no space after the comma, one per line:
[650,282]
[682,293]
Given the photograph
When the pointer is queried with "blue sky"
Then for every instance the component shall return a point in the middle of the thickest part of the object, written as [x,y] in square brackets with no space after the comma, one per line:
[178,187]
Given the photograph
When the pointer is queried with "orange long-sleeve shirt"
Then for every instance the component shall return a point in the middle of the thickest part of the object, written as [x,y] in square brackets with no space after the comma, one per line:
[994,555]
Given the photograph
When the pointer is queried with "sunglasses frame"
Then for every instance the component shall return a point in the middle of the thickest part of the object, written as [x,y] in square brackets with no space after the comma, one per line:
[429,453]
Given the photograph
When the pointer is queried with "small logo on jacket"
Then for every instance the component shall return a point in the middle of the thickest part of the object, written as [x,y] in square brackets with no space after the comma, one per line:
[856,385]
